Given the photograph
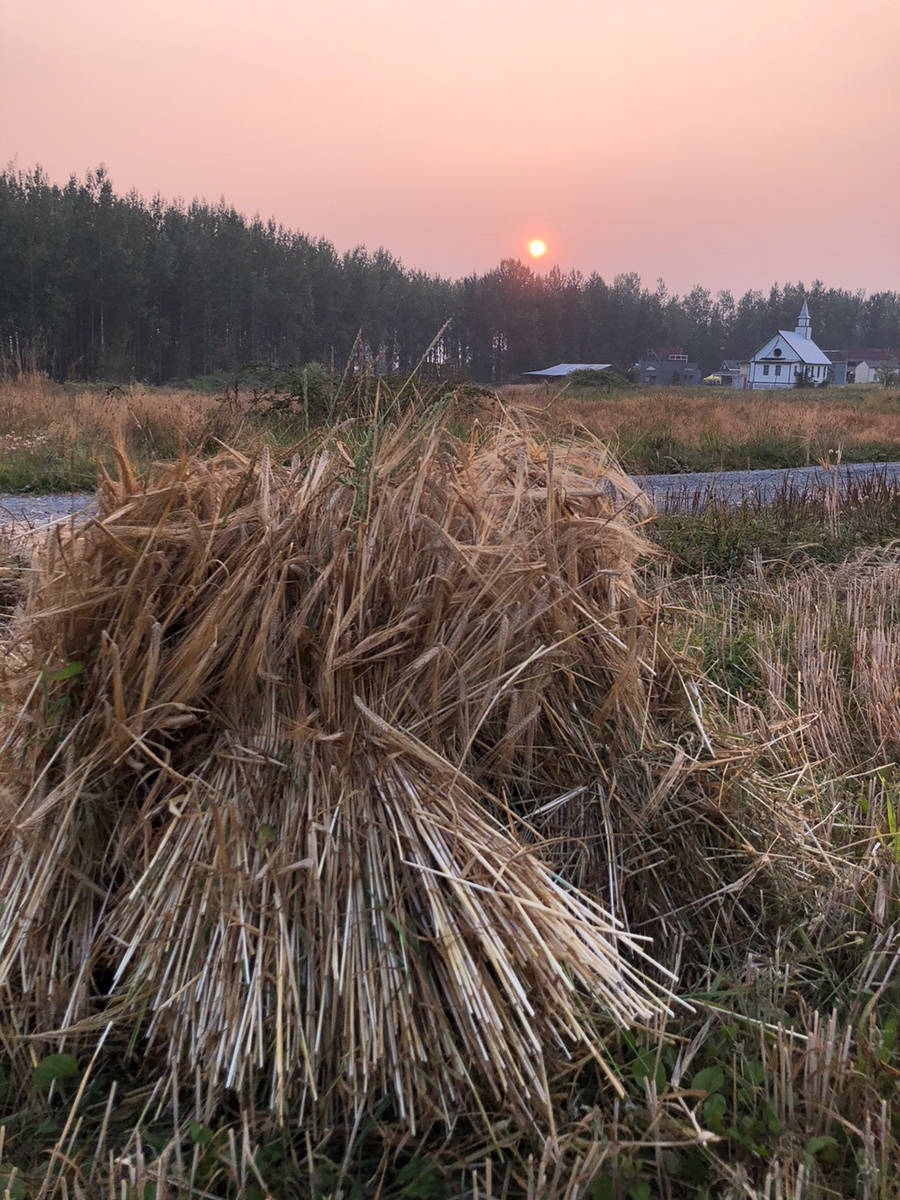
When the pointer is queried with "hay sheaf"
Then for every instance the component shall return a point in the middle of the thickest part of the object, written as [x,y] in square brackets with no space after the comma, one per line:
[296,755]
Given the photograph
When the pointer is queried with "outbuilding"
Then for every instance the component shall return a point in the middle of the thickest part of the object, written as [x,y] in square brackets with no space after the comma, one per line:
[868,369]
[561,370]
[735,373]
[667,368]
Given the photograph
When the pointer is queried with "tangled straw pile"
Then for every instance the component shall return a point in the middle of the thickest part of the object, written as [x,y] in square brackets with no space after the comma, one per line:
[266,783]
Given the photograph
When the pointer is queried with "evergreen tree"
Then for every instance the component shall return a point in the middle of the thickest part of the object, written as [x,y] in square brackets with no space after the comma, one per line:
[96,285]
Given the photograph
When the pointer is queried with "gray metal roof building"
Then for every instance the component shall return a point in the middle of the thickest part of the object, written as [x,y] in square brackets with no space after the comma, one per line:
[562,369]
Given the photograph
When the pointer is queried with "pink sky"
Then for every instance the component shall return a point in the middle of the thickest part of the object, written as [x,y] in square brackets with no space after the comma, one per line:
[730,143]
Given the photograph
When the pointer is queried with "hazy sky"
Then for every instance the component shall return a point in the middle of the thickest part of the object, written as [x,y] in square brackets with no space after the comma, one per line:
[727,142]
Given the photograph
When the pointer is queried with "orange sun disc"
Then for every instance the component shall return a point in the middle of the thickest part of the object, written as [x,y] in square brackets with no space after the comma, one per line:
[537,248]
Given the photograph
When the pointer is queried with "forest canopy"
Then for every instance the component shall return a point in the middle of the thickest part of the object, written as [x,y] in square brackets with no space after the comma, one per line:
[94,284]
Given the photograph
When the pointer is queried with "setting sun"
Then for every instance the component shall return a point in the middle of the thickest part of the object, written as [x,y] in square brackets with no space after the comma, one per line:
[537,248]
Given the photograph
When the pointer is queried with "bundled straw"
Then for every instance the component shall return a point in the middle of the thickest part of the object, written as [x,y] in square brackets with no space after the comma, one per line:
[278,733]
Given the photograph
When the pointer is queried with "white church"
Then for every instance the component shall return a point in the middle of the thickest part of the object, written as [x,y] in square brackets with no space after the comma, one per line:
[788,356]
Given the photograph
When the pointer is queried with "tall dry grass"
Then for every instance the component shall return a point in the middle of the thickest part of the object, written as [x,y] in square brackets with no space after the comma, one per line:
[660,430]
[53,437]
[33,405]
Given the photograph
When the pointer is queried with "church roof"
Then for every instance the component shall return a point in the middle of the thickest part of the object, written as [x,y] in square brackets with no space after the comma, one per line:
[805,348]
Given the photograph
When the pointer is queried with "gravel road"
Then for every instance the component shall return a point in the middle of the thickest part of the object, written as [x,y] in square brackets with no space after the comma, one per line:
[681,491]
[26,511]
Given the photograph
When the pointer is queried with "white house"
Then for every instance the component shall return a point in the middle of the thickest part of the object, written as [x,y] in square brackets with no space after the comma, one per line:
[788,356]
[867,370]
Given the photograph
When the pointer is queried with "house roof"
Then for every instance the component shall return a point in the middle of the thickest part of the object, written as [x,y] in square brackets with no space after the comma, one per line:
[805,349]
[654,364]
[562,369]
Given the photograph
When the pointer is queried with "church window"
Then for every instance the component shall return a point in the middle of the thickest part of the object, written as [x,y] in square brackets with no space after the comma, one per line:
[778,368]
[765,368]
[777,352]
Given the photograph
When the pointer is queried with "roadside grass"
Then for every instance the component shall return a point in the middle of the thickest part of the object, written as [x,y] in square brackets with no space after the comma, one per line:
[14,563]
[782,1081]
[706,535]
[818,645]
[792,611]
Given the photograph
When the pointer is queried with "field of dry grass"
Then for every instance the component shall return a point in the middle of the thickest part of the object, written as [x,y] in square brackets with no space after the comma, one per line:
[433,659]
[52,437]
[716,429]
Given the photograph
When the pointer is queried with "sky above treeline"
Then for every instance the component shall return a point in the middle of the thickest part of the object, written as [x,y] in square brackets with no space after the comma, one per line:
[733,143]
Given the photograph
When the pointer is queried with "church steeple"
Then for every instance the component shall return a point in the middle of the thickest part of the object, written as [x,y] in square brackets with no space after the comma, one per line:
[804,324]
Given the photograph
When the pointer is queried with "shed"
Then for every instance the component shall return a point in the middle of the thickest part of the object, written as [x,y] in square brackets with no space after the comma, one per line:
[561,370]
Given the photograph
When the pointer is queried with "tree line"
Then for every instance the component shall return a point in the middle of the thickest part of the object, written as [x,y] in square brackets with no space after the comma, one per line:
[99,285]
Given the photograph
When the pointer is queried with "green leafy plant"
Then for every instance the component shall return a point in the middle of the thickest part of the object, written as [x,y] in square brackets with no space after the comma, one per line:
[52,1068]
